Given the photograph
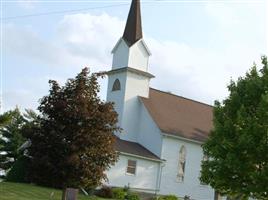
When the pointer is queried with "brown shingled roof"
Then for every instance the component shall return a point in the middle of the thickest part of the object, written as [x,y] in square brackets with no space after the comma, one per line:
[179,116]
[134,149]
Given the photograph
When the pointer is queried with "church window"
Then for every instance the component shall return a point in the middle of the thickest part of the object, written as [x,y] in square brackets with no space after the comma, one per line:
[181,164]
[131,167]
[116,85]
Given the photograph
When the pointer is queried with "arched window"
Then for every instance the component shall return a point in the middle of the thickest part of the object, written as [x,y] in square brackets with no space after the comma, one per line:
[116,85]
[181,164]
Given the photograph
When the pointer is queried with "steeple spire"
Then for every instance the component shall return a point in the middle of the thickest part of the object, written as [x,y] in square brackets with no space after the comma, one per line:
[133,29]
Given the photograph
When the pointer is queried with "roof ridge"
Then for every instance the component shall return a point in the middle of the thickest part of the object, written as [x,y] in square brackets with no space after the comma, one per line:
[182,97]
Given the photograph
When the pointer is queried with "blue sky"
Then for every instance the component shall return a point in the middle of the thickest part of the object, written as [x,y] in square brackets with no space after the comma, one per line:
[197,46]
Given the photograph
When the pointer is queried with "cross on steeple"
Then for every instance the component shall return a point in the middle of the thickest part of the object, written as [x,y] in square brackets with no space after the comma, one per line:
[133,29]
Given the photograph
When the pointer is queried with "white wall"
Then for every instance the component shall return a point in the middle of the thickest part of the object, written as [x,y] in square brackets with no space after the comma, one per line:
[127,102]
[145,178]
[191,185]
[120,55]
[117,96]
[149,134]
[136,56]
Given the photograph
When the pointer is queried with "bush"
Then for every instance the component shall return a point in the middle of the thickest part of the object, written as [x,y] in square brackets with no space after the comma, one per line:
[118,193]
[19,170]
[126,188]
[168,197]
[105,192]
[132,196]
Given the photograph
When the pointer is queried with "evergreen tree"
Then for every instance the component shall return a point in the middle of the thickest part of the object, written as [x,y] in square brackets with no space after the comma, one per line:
[12,127]
[238,145]
[74,142]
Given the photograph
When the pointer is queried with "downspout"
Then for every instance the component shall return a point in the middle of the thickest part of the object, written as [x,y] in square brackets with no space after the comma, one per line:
[159,177]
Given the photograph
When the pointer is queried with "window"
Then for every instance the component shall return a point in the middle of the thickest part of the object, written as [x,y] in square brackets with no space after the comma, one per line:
[181,164]
[131,167]
[116,85]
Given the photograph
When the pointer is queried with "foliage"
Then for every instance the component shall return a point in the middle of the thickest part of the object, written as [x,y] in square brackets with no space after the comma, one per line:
[19,170]
[74,142]
[168,197]
[105,192]
[132,196]
[237,147]
[126,188]
[118,193]
[5,118]
[13,126]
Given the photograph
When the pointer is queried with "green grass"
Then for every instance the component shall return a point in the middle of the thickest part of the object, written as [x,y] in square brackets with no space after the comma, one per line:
[21,191]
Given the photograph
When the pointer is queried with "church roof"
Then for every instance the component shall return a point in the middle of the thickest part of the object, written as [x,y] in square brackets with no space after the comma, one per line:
[134,148]
[133,29]
[179,116]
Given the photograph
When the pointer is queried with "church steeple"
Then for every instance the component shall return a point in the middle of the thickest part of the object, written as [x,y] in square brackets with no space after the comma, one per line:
[133,29]
[129,78]
[131,50]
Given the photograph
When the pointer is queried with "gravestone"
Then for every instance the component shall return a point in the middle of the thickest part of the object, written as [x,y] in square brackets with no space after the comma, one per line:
[70,194]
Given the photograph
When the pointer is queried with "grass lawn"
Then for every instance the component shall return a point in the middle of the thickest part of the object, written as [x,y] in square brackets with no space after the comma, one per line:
[21,191]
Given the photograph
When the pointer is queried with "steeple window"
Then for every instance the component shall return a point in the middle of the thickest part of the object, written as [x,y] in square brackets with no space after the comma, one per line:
[116,85]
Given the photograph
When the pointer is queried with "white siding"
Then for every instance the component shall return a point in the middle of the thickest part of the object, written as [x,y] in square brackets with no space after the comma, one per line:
[138,56]
[149,134]
[117,96]
[145,178]
[135,86]
[191,184]
[120,55]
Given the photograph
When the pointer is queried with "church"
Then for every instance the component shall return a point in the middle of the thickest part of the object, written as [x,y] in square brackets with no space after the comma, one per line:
[160,146]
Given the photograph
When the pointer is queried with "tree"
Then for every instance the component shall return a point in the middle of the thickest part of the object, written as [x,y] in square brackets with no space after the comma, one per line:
[237,147]
[12,126]
[5,118]
[74,142]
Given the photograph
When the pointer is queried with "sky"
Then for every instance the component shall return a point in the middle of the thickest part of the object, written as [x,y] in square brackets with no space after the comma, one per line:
[197,46]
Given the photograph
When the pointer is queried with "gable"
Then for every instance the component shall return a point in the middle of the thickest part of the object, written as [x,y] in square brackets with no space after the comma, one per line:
[178,116]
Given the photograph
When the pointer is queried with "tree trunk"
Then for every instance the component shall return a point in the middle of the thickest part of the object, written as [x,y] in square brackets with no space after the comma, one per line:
[69,194]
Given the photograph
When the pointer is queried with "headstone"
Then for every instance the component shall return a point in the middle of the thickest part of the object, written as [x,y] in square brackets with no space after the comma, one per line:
[70,194]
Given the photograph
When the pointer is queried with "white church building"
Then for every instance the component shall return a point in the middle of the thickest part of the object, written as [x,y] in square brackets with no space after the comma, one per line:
[160,145]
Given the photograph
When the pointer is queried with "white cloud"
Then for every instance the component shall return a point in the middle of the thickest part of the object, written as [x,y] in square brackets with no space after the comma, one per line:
[202,74]
[26,42]
[86,40]
[90,36]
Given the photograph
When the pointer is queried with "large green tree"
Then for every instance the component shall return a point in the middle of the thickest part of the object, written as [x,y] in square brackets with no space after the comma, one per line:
[73,144]
[237,147]
[13,124]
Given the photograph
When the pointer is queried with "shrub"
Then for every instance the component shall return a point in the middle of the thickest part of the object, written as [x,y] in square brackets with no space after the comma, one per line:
[105,192]
[126,188]
[168,197]
[118,193]
[132,196]
[19,170]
